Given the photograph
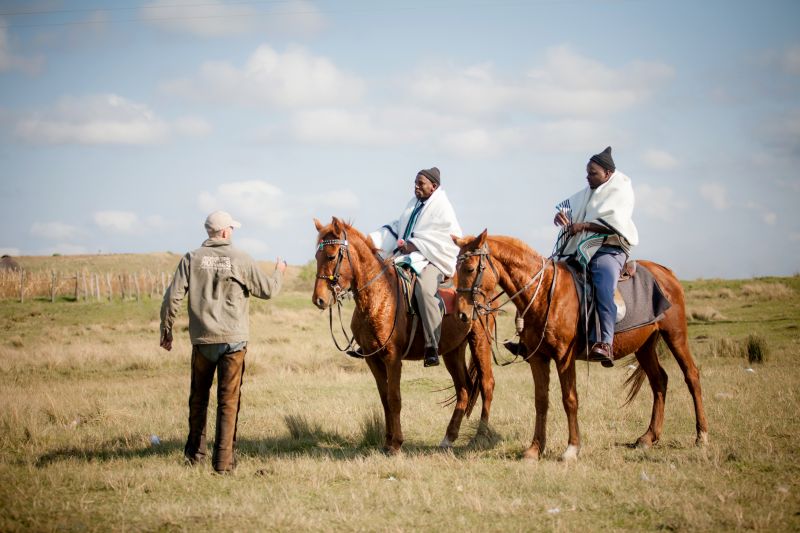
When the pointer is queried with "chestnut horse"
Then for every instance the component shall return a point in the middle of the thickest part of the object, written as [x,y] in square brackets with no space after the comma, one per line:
[551,330]
[347,261]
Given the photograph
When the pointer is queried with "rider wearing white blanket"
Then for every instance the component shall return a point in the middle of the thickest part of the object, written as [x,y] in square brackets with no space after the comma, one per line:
[598,224]
[421,239]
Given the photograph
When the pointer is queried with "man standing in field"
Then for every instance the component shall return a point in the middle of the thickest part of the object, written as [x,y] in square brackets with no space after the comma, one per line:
[219,280]
[598,230]
[421,237]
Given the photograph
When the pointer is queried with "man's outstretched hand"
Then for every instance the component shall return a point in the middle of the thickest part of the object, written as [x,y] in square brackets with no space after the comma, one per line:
[166,341]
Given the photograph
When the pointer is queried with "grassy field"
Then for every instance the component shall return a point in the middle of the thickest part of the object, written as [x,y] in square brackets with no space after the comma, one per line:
[85,389]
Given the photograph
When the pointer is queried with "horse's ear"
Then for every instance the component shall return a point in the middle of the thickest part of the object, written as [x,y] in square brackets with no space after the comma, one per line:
[482,238]
[318,224]
[337,224]
[459,241]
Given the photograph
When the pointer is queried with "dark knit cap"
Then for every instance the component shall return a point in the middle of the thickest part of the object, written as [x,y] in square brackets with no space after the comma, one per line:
[604,159]
[432,174]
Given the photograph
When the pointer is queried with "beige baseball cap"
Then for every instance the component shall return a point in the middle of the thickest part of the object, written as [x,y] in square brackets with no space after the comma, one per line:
[220,220]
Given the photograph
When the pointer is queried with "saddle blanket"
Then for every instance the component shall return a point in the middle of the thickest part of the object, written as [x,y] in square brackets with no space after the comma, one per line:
[642,301]
[447,294]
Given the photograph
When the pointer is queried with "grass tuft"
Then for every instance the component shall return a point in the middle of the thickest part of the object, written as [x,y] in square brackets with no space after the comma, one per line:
[704,314]
[726,347]
[301,429]
[372,429]
[756,348]
[767,291]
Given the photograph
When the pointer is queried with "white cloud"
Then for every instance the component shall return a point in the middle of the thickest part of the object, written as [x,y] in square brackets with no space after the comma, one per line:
[716,194]
[103,119]
[14,252]
[253,200]
[254,247]
[214,18]
[339,126]
[791,60]
[659,159]
[265,205]
[54,230]
[566,84]
[479,142]
[294,78]
[9,60]
[770,218]
[660,203]
[117,221]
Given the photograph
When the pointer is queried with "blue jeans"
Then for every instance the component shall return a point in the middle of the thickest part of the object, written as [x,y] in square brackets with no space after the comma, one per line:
[605,267]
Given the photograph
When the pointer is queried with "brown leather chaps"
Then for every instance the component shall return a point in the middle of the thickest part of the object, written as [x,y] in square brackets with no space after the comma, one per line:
[230,369]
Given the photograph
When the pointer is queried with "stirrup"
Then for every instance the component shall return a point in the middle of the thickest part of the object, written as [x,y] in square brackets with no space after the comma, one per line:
[356,354]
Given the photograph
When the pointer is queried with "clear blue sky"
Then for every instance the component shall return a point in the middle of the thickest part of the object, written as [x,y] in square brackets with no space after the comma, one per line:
[122,124]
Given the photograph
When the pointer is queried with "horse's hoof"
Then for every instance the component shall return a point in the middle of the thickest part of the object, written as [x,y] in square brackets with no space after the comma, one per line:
[446,444]
[643,444]
[570,454]
[531,454]
[702,439]
[391,451]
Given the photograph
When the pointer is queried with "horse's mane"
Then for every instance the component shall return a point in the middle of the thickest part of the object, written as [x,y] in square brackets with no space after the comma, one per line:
[351,230]
[512,249]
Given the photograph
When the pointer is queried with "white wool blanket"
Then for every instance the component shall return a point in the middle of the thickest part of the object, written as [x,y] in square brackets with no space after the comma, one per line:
[611,205]
[431,234]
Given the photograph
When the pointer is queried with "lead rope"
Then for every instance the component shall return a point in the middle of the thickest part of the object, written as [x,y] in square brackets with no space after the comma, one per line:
[586,328]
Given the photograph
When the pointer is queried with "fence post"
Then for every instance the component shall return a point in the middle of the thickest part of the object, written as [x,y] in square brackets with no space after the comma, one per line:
[77,285]
[136,285]
[163,285]
[52,286]
[122,286]
[110,288]
[84,288]
[21,286]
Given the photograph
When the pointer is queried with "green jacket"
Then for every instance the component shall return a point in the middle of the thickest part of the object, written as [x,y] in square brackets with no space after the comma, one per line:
[219,280]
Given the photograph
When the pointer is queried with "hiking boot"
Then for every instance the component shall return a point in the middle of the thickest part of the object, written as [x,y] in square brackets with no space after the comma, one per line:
[517,348]
[431,356]
[601,351]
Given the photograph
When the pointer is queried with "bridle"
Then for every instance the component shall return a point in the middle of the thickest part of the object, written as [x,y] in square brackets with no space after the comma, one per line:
[480,310]
[340,293]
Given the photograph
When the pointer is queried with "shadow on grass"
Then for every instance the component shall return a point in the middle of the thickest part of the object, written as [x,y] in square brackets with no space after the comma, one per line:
[305,441]
[118,448]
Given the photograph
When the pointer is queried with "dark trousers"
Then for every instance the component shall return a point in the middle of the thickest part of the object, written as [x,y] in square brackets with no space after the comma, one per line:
[230,369]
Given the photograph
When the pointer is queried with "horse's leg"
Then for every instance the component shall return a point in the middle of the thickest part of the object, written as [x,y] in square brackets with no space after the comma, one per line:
[454,361]
[678,343]
[481,349]
[569,397]
[540,368]
[394,367]
[378,368]
[648,360]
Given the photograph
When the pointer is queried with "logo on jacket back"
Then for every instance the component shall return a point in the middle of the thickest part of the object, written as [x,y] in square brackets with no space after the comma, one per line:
[211,262]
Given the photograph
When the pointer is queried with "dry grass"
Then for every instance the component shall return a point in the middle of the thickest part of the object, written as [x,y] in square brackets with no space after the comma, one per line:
[85,387]
[767,291]
[704,313]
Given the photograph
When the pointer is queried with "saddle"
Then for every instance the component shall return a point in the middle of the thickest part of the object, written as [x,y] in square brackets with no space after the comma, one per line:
[446,294]
[639,299]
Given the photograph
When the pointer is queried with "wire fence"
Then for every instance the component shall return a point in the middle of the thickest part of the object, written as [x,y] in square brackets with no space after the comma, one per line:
[82,285]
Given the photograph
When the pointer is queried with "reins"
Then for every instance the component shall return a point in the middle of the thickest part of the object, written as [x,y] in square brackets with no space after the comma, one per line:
[481,310]
[340,294]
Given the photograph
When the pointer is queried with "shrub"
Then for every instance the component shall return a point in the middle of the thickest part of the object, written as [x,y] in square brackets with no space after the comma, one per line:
[301,429]
[756,348]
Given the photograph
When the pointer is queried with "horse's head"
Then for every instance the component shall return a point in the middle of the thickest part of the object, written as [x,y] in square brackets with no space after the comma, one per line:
[476,277]
[334,268]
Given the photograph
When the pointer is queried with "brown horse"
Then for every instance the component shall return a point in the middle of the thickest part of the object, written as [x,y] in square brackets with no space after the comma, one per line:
[347,260]
[550,330]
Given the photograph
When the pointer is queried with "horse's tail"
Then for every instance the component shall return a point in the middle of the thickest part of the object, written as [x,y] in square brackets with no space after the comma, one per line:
[635,381]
